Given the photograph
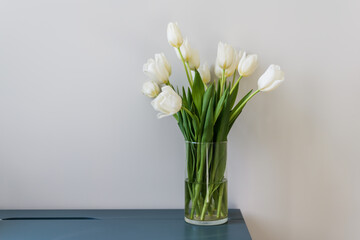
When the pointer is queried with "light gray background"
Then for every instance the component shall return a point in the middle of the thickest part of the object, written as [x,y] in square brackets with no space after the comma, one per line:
[75,131]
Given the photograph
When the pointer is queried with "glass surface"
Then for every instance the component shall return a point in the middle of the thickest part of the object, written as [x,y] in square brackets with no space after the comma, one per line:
[206,183]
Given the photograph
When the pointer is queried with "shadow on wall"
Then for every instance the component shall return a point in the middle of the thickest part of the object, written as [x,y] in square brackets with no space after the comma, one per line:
[284,167]
[260,167]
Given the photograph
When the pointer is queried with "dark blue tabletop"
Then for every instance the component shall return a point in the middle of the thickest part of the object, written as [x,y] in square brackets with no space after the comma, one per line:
[114,224]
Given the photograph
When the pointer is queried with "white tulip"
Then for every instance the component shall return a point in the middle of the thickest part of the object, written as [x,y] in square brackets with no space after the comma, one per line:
[150,89]
[185,49]
[194,61]
[163,67]
[225,55]
[150,70]
[189,54]
[218,71]
[271,79]
[230,71]
[160,57]
[248,64]
[158,70]
[204,72]
[174,36]
[168,102]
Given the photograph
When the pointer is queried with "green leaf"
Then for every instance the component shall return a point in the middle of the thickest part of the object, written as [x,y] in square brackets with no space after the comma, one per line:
[208,132]
[219,107]
[219,162]
[195,126]
[187,126]
[189,98]
[233,95]
[235,112]
[198,91]
[181,126]
[206,99]
[222,124]
[184,99]
[218,90]
[241,101]
[195,120]
[207,96]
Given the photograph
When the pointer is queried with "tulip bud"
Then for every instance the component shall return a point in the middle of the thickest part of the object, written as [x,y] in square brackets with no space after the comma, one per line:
[218,71]
[225,55]
[150,70]
[158,70]
[230,71]
[248,64]
[168,102]
[163,61]
[185,49]
[163,67]
[204,72]
[271,79]
[150,89]
[174,36]
[194,61]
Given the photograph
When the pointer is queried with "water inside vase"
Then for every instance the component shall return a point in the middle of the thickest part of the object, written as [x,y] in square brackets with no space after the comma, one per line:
[206,201]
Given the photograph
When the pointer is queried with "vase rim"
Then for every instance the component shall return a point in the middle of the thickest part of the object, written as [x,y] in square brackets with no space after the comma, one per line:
[220,142]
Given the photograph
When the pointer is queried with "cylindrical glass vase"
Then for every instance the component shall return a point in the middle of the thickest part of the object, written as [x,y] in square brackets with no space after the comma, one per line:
[206,183]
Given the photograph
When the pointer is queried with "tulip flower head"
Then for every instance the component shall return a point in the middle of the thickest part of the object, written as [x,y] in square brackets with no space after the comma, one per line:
[218,71]
[161,59]
[158,70]
[185,49]
[248,64]
[174,36]
[150,89]
[149,69]
[230,71]
[204,72]
[271,79]
[168,102]
[194,61]
[225,55]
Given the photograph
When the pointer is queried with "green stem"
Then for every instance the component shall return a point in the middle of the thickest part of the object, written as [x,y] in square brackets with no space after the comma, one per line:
[170,85]
[188,111]
[206,205]
[237,83]
[199,177]
[192,198]
[191,115]
[186,69]
[233,78]
[225,206]
[242,105]
[211,207]
[220,200]
[222,82]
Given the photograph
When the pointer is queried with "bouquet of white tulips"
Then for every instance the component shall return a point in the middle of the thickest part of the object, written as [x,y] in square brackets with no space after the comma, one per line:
[205,112]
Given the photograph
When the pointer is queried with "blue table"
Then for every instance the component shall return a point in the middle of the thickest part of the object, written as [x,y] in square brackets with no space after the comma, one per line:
[114,224]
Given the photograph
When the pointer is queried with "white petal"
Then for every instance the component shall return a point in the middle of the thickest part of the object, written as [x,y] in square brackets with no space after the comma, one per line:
[272,86]
[267,78]
[194,61]
[218,71]
[174,35]
[270,79]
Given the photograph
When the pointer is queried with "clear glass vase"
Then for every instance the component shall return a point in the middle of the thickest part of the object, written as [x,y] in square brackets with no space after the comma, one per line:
[206,183]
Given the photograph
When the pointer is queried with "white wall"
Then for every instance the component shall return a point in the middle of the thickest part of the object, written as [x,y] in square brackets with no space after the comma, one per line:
[75,131]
